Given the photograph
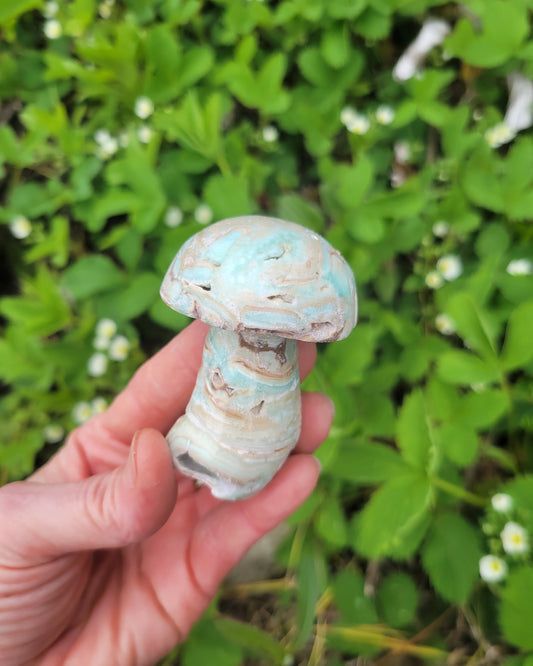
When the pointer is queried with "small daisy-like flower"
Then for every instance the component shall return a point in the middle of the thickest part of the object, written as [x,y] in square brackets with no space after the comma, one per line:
[53,433]
[499,135]
[347,115]
[445,324]
[97,364]
[119,348]
[402,152]
[108,149]
[434,280]
[502,503]
[514,539]
[270,134]
[82,412]
[203,214]
[20,227]
[106,328]
[52,29]
[440,229]
[173,216]
[145,133]
[492,569]
[98,405]
[102,136]
[359,124]
[105,8]
[101,343]
[50,9]
[385,114]
[450,267]
[144,107]
[520,267]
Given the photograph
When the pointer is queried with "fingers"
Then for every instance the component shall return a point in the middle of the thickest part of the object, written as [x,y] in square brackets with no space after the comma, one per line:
[318,411]
[229,530]
[159,391]
[40,521]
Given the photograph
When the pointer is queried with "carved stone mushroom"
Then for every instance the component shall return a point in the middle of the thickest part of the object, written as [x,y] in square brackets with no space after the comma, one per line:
[261,284]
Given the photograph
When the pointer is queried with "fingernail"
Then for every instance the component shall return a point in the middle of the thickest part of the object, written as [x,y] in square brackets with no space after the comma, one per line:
[133,456]
[332,407]
[319,464]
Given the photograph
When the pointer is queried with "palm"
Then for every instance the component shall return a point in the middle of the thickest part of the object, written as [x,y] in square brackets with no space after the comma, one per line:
[138,600]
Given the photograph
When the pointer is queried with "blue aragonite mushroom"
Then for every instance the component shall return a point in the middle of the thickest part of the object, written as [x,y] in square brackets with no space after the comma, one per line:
[261,284]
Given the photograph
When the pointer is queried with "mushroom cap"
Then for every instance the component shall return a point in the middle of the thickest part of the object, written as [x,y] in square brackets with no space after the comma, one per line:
[255,273]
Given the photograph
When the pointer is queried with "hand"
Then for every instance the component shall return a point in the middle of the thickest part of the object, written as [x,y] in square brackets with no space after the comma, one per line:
[109,556]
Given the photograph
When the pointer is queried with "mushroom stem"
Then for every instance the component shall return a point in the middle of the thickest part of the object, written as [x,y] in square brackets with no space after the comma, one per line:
[244,415]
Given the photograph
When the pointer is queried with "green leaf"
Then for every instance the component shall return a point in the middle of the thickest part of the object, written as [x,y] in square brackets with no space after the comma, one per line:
[366,463]
[518,348]
[13,8]
[397,599]
[130,301]
[254,641]
[311,578]
[458,442]
[335,46]
[412,430]
[472,324]
[516,611]
[459,367]
[393,516]
[504,27]
[451,557]
[351,182]
[297,209]
[91,275]
[227,195]
[330,522]
[483,409]
[207,645]
[354,605]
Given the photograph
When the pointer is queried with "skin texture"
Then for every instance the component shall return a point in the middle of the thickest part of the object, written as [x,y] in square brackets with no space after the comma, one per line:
[107,555]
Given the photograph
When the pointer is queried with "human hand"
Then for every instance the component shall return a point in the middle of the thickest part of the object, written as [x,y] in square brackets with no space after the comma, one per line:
[107,554]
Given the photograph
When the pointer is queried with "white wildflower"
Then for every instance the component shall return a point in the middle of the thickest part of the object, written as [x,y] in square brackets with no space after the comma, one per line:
[440,229]
[101,343]
[492,569]
[432,33]
[514,539]
[102,136]
[450,267]
[106,328]
[385,114]
[434,280]
[173,216]
[82,412]
[402,152]
[124,139]
[359,124]
[144,107]
[203,214]
[398,177]
[20,227]
[519,114]
[520,267]
[347,115]
[144,133]
[98,405]
[499,135]
[97,364]
[53,433]
[119,348]
[105,8]
[52,29]
[502,503]
[50,9]
[270,134]
[445,324]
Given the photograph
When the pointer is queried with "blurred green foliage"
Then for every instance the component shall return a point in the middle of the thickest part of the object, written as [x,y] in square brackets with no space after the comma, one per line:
[125,126]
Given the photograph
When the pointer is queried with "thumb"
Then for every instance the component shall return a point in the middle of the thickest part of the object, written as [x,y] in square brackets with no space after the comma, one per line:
[108,510]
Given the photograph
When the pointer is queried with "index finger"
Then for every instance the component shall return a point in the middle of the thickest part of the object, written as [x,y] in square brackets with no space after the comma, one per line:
[160,390]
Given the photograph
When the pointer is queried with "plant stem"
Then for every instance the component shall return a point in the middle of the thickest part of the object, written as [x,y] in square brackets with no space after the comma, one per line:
[457,491]
[372,635]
